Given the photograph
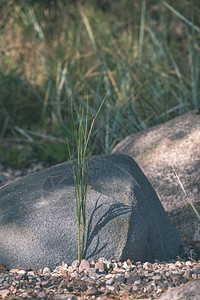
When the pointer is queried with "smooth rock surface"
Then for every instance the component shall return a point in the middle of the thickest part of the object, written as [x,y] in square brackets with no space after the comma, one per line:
[187,291]
[175,143]
[125,219]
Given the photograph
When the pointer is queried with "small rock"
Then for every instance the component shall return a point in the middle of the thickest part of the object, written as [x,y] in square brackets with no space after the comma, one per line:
[21,272]
[31,273]
[64,266]
[137,282]
[135,288]
[172,266]
[37,287]
[12,288]
[74,274]
[46,271]
[84,265]
[75,263]
[126,266]
[121,279]
[38,284]
[114,265]
[44,283]
[167,274]
[178,263]
[147,265]
[110,281]
[100,266]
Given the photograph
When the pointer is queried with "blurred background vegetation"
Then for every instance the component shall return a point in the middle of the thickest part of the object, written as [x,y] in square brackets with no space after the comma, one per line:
[144,54]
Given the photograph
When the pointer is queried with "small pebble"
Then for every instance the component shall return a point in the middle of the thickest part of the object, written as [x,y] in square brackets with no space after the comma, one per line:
[74,274]
[100,266]
[121,279]
[46,271]
[75,263]
[147,265]
[44,283]
[188,263]
[110,281]
[84,265]
[21,272]
[178,263]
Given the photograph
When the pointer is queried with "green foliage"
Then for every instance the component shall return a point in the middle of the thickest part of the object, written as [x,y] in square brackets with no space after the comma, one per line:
[145,52]
[18,101]
[16,156]
[52,153]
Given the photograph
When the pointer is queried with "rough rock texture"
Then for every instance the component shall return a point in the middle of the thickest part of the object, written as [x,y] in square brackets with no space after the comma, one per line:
[125,218]
[187,291]
[175,143]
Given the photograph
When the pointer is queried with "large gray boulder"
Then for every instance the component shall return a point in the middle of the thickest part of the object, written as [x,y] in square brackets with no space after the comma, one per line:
[125,219]
[175,143]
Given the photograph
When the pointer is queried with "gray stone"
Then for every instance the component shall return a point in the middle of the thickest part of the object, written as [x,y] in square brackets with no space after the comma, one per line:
[187,291]
[175,143]
[125,219]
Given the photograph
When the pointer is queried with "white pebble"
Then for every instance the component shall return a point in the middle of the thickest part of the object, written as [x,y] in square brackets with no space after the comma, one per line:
[21,272]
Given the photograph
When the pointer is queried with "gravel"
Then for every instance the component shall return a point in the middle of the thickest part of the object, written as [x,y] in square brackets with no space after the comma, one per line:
[114,280]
